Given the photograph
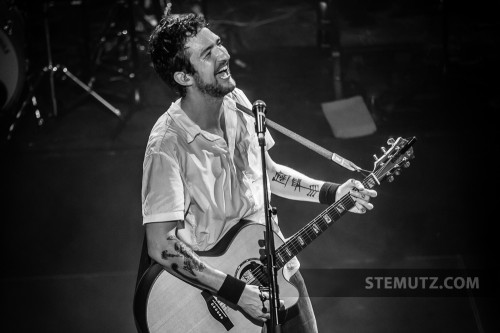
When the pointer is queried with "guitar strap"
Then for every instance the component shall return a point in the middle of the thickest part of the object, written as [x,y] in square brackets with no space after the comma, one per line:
[309,144]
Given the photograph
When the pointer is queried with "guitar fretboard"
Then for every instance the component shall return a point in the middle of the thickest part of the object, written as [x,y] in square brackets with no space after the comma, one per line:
[302,238]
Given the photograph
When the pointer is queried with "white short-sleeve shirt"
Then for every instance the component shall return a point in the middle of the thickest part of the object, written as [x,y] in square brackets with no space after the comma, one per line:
[197,177]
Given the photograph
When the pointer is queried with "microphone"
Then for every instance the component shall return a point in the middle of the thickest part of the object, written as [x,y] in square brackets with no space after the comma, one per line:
[259,110]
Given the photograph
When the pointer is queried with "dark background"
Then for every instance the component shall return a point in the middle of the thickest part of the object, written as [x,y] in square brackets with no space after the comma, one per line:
[71,180]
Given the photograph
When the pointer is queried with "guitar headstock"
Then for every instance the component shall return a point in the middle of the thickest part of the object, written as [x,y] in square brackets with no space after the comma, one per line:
[395,157]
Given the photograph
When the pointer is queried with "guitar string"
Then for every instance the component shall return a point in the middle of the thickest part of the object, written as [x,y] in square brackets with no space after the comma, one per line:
[319,219]
[305,232]
[347,199]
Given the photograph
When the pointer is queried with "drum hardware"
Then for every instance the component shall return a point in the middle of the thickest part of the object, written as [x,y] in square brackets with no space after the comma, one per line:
[120,35]
[50,71]
[12,69]
[7,27]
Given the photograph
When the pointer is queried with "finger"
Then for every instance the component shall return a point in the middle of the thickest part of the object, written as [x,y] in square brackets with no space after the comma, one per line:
[359,195]
[361,209]
[365,204]
[265,311]
[368,205]
[265,307]
[357,184]
[370,193]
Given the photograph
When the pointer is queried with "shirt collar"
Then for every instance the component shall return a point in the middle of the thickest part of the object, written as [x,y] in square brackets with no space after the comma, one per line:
[191,129]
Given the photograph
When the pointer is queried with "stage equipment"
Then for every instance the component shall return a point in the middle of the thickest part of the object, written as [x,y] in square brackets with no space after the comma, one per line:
[12,68]
[328,40]
[120,43]
[349,118]
[50,70]
[259,110]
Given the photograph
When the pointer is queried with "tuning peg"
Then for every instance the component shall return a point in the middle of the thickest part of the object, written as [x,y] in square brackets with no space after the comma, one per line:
[406,164]
[397,172]
[391,141]
[375,157]
[390,178]
[383,150]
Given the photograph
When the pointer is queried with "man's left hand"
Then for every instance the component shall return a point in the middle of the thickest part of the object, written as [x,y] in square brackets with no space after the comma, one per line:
[359,193]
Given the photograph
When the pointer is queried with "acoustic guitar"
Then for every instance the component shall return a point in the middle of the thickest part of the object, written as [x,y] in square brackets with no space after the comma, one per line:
[165,303]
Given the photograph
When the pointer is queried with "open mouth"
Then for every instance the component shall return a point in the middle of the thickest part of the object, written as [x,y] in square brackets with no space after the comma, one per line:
[223,72]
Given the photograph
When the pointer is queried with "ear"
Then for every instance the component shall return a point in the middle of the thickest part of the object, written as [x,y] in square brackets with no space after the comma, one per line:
[183,79]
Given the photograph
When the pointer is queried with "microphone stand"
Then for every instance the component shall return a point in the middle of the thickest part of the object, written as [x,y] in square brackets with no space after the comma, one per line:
[273,325]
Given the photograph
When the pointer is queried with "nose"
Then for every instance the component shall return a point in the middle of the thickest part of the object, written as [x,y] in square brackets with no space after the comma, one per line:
[222,53]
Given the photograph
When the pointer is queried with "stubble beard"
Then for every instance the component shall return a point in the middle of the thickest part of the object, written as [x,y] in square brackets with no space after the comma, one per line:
[213,89]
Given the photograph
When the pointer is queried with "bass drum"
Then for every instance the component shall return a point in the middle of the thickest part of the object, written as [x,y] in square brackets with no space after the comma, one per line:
[12,62]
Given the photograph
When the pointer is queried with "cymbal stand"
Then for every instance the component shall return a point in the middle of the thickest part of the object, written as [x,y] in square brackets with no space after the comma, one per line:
[120,35]
[50,69]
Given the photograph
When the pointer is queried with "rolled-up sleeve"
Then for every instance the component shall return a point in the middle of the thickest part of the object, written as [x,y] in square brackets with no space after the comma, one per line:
[162,189]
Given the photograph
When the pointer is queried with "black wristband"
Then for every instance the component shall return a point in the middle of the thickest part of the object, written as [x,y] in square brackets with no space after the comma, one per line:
[231,289]
[327,193]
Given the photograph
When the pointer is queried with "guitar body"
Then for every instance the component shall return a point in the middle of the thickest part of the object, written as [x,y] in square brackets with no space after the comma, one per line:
[165,303]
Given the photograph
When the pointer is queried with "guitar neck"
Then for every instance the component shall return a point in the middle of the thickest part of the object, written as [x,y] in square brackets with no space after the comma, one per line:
[307,234]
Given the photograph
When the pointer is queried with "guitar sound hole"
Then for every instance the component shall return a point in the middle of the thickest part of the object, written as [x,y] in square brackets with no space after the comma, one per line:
[253,272]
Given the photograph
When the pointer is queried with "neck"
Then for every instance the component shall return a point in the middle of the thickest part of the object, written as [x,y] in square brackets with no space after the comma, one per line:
[204,110]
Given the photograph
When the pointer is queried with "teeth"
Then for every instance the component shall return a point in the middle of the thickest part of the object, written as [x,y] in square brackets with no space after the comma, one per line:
[223,69]
[223,73]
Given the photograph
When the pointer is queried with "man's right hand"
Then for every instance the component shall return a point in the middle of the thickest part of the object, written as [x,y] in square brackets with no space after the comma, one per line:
[250,302]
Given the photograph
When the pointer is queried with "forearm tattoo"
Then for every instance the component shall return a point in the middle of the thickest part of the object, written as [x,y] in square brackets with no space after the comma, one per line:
[165,255]
[287,180]
[192,262]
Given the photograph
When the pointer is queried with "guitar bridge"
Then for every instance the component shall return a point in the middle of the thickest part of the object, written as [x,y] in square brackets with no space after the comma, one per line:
[216,310]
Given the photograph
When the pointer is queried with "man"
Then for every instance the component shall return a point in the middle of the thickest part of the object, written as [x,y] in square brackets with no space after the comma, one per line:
[202,170]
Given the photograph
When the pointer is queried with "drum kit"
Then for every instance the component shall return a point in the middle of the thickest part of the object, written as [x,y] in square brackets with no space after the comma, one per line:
[12,73]
[18,88]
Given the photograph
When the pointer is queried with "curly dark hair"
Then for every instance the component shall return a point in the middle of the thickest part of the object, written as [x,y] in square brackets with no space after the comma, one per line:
[167,46]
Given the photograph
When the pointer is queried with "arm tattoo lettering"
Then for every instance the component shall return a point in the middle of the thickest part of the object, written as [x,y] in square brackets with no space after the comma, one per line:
[281,178]
[313,190]
[296,183]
